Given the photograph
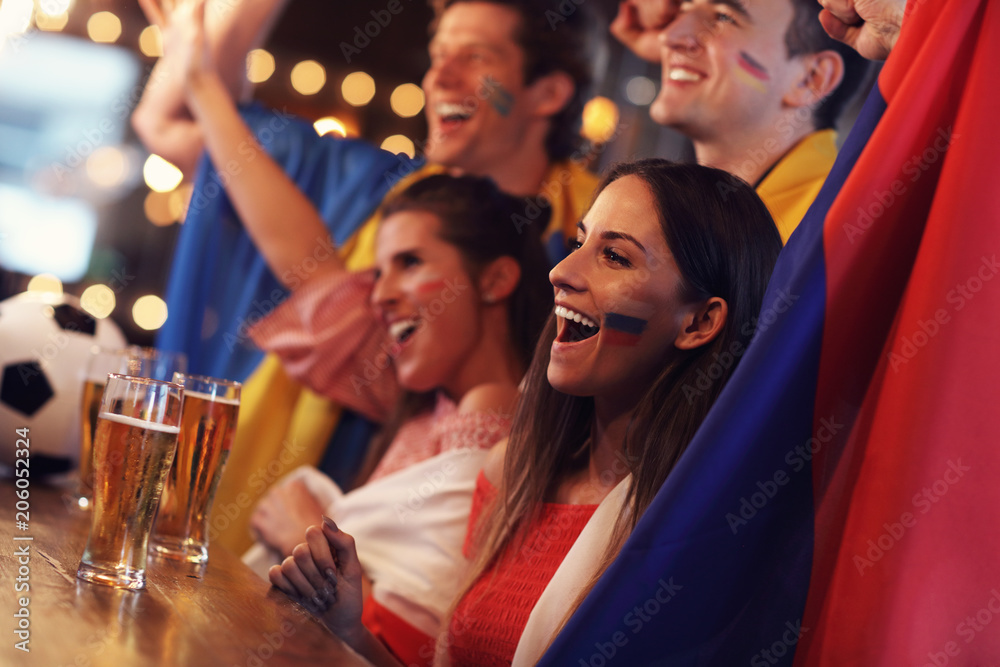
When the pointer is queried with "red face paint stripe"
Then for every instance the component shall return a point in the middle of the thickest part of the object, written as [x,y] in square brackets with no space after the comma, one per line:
[753,67]
[432,286]
[620,338]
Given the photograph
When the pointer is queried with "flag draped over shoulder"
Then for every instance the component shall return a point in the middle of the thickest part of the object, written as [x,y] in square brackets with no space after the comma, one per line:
[840,505]
[219,284]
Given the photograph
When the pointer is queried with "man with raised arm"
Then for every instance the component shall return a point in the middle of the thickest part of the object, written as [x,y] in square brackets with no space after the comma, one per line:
[504,96]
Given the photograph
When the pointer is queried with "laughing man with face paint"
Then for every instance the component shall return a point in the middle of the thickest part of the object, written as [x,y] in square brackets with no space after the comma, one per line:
[756,85]
[504,97]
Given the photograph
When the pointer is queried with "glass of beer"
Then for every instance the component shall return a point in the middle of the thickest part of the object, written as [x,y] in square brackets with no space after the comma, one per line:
[148,362]
[136,361]
[102,362]
[136,440]
[208,427]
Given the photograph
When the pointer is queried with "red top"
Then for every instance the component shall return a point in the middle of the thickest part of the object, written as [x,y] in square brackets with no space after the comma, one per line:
[489,620]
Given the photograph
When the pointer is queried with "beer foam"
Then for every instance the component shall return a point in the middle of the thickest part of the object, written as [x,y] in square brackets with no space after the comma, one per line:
[214,399]
[140,423]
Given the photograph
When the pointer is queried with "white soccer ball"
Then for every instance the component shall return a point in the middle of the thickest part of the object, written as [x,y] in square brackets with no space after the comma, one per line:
[45,343]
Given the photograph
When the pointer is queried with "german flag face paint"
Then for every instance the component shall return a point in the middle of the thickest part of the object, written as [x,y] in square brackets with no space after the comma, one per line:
[752,72]
[725,69]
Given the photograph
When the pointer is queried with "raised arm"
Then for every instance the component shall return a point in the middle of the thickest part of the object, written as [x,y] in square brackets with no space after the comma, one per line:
[232,28]
[638,25]
[283,223]
[870,27]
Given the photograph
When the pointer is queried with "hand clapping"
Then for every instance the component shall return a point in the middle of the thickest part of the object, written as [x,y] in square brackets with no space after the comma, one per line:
[324,575]
[182,26]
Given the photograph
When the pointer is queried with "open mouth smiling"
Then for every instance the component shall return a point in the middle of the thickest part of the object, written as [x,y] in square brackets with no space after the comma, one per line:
[576,326]
[401,330]
[452,115]
[683,74]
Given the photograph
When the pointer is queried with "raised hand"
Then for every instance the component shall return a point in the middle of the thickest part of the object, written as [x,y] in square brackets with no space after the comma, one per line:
[182,25]
[870,27]
[639,23]
[325,576]
[163,120]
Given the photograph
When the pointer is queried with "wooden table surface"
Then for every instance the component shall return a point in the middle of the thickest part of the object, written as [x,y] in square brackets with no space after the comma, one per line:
[223,616]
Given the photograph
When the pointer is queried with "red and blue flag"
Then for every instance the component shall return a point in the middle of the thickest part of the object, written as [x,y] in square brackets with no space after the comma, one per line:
[841,503]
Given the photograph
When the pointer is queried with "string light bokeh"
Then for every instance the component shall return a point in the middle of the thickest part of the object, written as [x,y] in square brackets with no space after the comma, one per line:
[314,65]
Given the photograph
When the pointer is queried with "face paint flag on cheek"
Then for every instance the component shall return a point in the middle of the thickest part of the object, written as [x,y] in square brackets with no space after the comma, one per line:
[623,330]
[752,72]
[499,97]
[433,285]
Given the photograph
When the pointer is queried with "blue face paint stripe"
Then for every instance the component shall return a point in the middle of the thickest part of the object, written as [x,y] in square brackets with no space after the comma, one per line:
[625,323]
[499,97]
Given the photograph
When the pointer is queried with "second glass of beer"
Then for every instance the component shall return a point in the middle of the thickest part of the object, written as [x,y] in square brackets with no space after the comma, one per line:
[208,427]
[135,444]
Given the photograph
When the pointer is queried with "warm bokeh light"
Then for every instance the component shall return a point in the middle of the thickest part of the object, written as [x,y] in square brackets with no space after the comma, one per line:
[157,208]
[51,23]
[260,66]
[358,89]
[640,90]
[98,300]
[160,175]
[398,143]
[149,312]
[104,27]
[107,167]
[45,282]
[178,202]
[54,7]
[15,17]
[151,41]
[407,100]
[308,77]
[600,118]
[329,124]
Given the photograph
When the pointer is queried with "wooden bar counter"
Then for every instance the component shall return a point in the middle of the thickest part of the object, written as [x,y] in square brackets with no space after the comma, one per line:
[221,616]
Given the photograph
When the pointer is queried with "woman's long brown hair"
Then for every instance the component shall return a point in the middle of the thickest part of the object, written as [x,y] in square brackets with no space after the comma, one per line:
[725,244]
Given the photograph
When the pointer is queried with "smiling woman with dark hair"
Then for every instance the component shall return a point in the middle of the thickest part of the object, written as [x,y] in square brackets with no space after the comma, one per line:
[670,273]
[432,344]
[664,279]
